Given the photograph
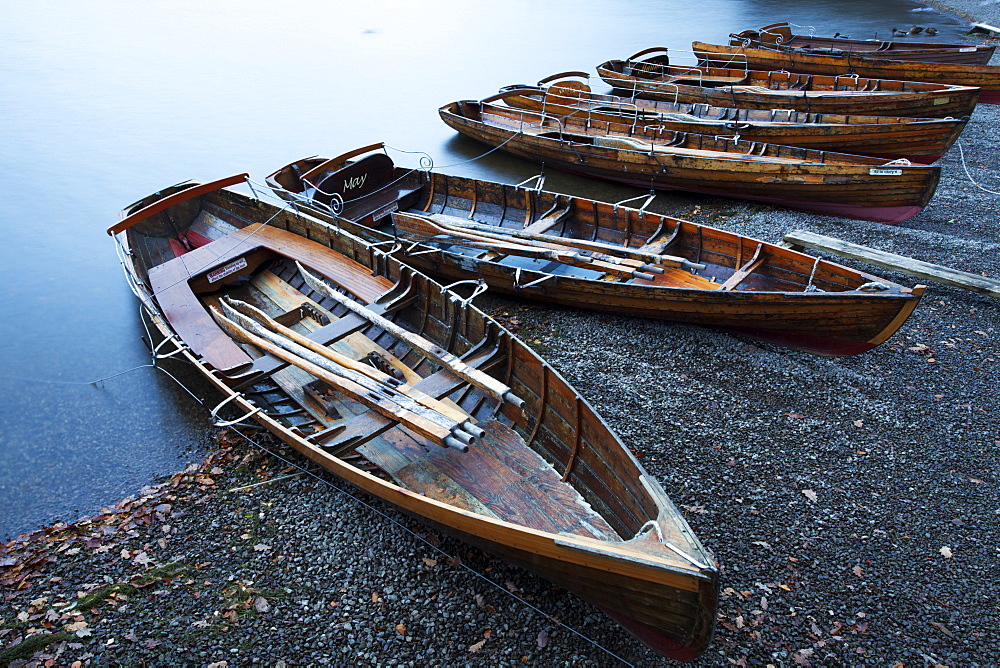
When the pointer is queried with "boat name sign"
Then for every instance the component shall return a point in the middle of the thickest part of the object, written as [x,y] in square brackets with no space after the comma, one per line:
[882,171]
[385,211]
[231,268]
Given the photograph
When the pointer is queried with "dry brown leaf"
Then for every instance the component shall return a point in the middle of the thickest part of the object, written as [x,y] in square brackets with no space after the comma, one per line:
[857,570]
[802,656]
[430,563]
[374,597]
[401,629]
[478,646]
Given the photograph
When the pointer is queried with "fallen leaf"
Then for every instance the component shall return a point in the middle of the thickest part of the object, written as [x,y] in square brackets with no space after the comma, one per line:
[401,629]
[374,597]
[430,563]
[794,416]
[699,510]
[543,638]
[261,604]
[809,494]
[857,570]
[802,656]
[261,547]
[478,646]
[859,423]
[204,480]
[142,558]
[942,628]
[945,552]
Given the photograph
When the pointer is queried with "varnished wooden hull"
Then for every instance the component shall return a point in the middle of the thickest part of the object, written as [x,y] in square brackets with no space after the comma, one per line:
[601,546]
[921,140]
[985,77]
[902,47]
[776,304]
[760,89]
[834,184]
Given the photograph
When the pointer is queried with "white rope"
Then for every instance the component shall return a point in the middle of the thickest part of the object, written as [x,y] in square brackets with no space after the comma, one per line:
[961,152]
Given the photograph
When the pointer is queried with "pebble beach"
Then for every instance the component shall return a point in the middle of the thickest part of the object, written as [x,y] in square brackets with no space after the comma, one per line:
[852,503]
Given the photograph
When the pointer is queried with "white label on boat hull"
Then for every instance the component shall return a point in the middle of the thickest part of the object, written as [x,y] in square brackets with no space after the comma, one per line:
[231,268]
[967,49]
[382,213]
[881,171]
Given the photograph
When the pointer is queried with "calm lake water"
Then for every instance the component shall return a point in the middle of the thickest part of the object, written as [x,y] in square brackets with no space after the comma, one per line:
[103,103]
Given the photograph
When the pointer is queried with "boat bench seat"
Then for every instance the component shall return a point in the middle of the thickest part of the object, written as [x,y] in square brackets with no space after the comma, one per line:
[368,187]
[171,283]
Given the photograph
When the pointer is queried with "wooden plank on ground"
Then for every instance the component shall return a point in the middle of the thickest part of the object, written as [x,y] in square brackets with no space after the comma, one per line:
[906,265]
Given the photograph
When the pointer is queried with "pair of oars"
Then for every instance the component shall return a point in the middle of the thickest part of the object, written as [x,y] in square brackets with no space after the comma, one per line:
[431,418]
[422,346]
[616,260]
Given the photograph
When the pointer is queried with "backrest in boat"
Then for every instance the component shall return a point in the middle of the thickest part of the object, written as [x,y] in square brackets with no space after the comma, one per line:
[369,187]
[357,179]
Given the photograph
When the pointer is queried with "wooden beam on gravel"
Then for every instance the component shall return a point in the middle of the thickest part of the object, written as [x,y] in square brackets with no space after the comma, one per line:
[906,265]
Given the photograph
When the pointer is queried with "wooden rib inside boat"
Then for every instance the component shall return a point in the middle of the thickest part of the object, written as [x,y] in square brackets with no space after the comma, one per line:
[737,85]
[574,251]
[285,314]
[779,36]
[917,139]
[984,77]
[825,182]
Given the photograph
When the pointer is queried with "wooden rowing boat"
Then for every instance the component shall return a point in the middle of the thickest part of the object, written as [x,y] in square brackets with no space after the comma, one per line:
[921,140]
[578,252]
[780,36]
[985,77]
[778,88]
[830,183]
[456,421]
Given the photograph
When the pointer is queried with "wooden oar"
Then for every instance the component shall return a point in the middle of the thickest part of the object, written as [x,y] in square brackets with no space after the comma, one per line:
[651,260]
[418,343]
[421,398]
[543,241]
[426,227]
[381,400]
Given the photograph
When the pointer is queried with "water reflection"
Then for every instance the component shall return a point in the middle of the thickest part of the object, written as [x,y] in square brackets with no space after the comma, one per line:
[106,102]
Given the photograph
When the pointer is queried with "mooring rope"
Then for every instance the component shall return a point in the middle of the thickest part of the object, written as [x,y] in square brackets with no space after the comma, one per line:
[451,558]
[392,520]
[961,153]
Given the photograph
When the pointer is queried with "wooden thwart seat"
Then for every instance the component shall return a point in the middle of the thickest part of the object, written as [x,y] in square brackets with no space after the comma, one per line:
[171,283]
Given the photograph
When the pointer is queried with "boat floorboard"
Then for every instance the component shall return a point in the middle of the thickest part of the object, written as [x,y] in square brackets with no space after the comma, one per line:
[499,477]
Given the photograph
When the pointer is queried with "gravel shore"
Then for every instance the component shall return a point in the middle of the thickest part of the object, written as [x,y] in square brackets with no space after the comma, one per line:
[853,503]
